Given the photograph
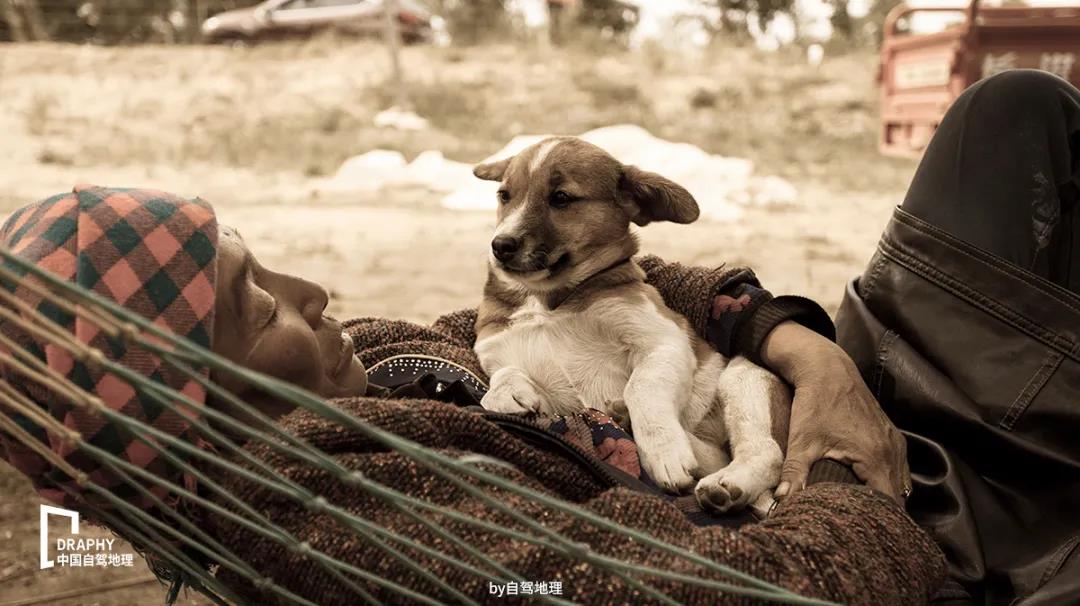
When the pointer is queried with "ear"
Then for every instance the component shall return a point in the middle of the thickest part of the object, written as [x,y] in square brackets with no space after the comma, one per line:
[649,197]
[492,171]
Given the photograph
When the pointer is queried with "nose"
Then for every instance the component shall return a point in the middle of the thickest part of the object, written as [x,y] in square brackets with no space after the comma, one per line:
[315,300]
[505,247]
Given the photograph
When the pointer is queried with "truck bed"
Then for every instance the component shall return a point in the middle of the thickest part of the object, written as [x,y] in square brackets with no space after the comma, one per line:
[922,74]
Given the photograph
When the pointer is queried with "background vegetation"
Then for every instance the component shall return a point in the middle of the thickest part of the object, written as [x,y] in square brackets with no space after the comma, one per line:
[469,21]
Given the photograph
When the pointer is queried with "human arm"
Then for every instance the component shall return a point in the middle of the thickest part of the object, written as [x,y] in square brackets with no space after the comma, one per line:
[833,415]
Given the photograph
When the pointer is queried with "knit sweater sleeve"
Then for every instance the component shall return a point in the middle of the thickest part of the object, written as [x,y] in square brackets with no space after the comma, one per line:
[728,307]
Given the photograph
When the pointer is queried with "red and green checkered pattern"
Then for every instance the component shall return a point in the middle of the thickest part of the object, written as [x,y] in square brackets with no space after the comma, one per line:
[153,253]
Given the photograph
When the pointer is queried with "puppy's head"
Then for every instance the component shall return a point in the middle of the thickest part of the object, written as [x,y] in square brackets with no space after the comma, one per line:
[565,208]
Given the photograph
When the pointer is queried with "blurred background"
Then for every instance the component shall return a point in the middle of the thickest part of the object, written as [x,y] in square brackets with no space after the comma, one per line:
[338,135]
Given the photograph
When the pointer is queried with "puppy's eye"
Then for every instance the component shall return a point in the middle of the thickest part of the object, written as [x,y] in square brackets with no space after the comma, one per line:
[504,196]
[561,199]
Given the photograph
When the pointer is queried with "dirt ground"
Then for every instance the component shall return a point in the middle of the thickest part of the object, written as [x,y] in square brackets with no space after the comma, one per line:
[251,130]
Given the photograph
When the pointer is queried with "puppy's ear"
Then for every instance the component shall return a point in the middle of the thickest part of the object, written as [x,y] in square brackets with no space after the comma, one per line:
[649,197]
[492,171]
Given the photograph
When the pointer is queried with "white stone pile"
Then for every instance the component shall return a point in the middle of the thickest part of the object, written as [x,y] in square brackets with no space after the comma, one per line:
[721,185]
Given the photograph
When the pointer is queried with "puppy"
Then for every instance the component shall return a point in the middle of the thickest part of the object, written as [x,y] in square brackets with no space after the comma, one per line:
[568,322]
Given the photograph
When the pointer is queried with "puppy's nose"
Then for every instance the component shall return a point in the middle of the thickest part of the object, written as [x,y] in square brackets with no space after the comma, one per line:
[505,247]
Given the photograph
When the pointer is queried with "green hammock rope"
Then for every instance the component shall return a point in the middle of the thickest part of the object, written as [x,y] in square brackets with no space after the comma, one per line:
[179,549]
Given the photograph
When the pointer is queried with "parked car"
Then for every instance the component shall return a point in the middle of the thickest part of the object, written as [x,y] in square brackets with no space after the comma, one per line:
[280,19]
[922,74]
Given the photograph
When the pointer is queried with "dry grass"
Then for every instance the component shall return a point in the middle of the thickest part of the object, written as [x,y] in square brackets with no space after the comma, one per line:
[305,108]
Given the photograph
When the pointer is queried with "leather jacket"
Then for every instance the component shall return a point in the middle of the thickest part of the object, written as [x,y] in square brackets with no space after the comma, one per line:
[978,361]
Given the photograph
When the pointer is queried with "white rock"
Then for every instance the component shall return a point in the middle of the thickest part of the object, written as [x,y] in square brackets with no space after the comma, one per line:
[433,170]
[400,119]
[366,172]
[721,185]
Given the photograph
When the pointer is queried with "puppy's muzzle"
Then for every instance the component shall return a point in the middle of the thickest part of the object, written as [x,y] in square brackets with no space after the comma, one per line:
[511,256]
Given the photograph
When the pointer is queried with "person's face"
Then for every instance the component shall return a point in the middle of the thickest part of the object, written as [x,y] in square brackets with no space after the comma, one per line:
[274,323]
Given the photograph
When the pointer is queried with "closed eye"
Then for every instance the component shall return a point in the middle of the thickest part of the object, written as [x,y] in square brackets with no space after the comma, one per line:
[272,317]
[561,199]
[264,307]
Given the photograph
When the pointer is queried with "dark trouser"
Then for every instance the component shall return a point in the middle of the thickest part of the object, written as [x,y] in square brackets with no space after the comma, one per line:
[966,326]
[1003,173]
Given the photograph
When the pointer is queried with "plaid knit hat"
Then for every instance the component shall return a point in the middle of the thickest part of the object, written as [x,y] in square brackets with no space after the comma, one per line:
[154,254]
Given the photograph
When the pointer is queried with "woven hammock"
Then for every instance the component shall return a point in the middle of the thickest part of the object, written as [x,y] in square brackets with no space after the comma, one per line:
[181,553]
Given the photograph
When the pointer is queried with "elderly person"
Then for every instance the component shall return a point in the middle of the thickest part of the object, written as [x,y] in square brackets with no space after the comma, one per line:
[166,259]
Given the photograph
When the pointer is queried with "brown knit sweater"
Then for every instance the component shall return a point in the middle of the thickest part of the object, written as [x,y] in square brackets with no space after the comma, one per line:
[838,542]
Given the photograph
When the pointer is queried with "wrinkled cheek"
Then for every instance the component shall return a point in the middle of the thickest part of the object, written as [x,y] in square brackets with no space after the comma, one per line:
[296,361]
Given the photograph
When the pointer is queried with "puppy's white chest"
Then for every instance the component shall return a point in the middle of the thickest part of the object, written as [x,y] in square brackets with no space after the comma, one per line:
[569,355]
[533,315]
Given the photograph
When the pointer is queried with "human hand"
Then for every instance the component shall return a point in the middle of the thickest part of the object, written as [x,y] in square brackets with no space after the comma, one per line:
[833,415]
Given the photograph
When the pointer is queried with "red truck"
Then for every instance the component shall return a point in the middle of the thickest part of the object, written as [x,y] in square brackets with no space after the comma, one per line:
[922,74]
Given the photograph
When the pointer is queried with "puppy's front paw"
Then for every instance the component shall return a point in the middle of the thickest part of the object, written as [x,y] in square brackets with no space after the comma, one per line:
[670,462]
[512,392]
[732,488]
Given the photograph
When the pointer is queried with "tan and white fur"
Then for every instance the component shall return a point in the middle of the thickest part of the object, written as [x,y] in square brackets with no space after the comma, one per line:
[568,322]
